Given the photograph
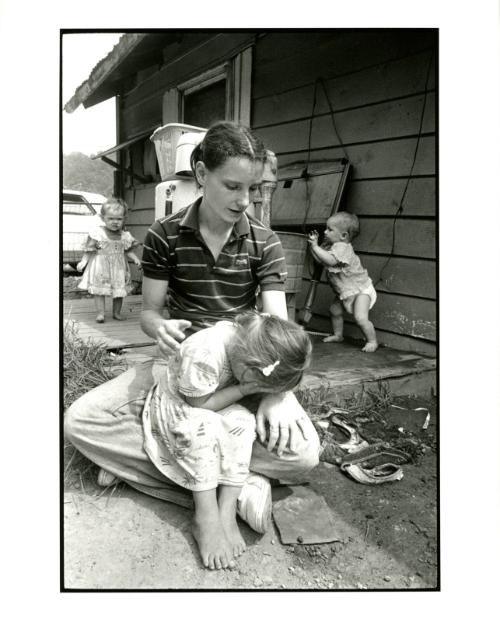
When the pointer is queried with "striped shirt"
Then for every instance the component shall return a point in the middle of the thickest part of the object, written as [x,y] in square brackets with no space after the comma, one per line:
[201,289]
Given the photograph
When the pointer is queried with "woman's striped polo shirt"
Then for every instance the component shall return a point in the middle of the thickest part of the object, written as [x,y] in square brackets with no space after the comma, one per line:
[201,289]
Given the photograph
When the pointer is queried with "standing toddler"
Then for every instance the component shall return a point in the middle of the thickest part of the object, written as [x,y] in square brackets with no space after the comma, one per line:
[105,259]
[350,282]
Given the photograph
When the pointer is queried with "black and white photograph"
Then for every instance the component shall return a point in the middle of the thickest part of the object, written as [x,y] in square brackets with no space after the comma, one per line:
[250,310]
[245,244]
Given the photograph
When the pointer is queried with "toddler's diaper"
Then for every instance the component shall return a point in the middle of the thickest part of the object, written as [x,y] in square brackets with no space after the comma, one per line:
[369,290]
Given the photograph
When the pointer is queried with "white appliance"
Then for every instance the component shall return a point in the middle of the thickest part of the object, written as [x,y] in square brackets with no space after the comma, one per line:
[174,194]
[174,143]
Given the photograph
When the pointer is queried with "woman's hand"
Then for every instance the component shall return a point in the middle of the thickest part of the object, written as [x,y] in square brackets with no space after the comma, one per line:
[169,335]
[286,421]
[138,263]
[81,266]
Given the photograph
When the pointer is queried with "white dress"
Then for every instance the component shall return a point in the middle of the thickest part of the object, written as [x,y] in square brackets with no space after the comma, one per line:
[107,272]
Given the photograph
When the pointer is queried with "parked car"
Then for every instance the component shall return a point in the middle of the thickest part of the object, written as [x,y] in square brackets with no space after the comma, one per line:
[81,213]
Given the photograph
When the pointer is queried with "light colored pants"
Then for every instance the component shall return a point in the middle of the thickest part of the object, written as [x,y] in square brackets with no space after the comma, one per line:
[105,425]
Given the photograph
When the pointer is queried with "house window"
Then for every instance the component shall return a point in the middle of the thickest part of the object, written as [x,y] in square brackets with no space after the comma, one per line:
[222,92]
[206,105]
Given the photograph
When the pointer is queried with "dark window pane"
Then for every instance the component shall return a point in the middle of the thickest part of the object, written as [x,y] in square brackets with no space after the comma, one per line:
[205,106]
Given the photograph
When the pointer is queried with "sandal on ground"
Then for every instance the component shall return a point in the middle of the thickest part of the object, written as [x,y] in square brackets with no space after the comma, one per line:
[376,475]
[105,479]
[355,441]
[386,469]
[255,503]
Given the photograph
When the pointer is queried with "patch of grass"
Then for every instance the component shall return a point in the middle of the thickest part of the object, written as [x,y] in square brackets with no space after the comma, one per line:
[87,364]
[368,404]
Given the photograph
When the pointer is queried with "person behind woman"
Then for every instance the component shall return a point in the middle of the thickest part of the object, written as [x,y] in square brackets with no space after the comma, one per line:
[210,258]
[196,434]
[104,260]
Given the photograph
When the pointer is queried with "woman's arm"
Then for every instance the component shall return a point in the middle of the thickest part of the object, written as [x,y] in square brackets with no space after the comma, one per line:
[168,333]
[274,303]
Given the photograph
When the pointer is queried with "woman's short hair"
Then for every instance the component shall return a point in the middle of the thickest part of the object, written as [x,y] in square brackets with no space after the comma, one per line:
[226,139]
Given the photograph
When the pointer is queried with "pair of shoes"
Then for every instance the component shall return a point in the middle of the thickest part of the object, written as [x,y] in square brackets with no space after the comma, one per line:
[254,504]
[106,479]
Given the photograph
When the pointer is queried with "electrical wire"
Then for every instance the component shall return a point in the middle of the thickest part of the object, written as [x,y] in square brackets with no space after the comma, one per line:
[400,206]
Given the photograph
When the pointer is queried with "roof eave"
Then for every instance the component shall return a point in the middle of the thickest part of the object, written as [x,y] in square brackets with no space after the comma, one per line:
[103,70]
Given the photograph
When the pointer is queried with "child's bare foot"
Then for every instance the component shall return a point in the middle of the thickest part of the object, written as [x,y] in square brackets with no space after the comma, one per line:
[118,316]
[214,547]
[100,318]
[333,339]
[371,346]
[231,529]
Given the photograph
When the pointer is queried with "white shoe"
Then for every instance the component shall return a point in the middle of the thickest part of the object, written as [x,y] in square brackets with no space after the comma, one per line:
[106,479]
[255,503]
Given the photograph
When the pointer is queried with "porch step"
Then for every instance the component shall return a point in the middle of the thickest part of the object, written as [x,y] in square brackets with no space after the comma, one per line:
[339,369]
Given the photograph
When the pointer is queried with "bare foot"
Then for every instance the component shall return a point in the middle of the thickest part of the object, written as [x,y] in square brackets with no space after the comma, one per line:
[100,318]
[214,548]
[117,316]
[231,529]
[333,339]
[371,346]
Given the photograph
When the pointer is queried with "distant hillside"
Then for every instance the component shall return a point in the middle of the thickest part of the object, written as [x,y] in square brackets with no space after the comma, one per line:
[82,173]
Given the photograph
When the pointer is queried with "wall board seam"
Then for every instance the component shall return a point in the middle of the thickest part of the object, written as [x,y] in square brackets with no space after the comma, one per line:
[334,76]
[348,109]
[357,144]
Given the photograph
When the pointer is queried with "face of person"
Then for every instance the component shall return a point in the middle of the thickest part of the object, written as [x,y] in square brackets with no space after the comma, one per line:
[113,219]
[229,189]
[334,233]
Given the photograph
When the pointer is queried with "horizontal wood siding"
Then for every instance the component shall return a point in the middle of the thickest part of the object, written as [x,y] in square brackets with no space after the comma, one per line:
[382,87]
[142,106]
[141,202]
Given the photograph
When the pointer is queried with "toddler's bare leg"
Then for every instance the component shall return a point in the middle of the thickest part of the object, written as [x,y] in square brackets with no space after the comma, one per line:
[361,309]
[337,320]
[208,530]
[228,496]
[117,308]
[99,307]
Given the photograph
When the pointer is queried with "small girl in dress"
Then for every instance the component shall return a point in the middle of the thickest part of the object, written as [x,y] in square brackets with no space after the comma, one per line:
[104,261]
[350,282]
[199,437]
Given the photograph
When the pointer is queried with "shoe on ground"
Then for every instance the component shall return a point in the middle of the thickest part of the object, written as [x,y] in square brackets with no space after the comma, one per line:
[106,479]
[254,504]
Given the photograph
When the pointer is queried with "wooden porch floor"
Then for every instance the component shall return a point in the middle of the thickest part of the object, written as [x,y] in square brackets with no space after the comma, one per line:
[342,368]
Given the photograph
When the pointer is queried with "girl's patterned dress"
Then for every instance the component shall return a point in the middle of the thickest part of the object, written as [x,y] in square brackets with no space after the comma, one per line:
[107,272]
[195,447]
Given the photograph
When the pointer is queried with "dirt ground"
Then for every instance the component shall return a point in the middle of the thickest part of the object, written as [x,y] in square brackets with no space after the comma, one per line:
[386,535]
[119,538]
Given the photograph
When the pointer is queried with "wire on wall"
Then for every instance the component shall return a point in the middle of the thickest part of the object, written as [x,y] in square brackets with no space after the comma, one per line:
[399,210]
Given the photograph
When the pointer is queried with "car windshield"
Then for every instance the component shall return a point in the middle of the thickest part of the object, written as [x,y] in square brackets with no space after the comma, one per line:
[76,205]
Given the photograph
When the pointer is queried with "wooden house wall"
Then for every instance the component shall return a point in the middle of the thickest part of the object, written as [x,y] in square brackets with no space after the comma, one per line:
[141,103]
[378,85]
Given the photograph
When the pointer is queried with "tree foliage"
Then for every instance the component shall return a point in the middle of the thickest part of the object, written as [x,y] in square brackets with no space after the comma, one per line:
[82,173]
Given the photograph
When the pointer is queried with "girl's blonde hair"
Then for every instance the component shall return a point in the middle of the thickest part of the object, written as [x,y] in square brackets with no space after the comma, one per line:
[113,204]
[279,349]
